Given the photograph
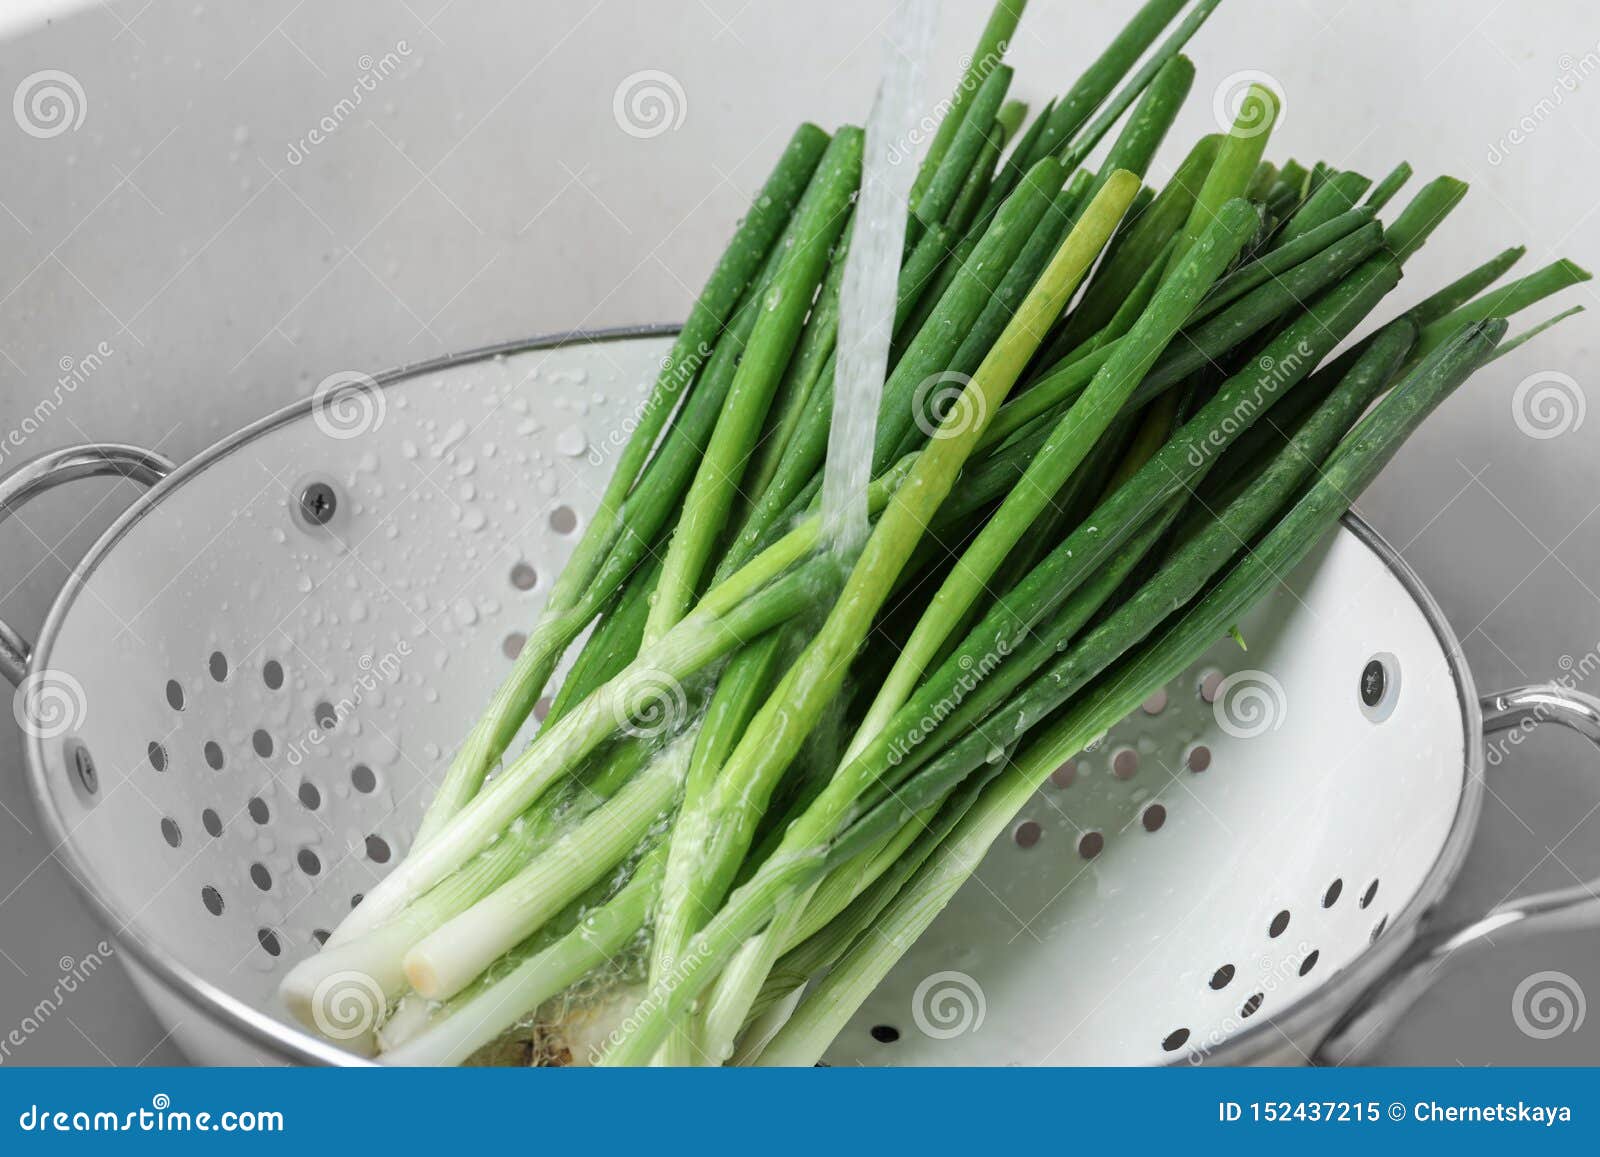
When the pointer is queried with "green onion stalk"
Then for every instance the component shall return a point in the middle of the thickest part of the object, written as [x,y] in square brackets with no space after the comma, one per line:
[1176,646]
[729,283]
[804,692]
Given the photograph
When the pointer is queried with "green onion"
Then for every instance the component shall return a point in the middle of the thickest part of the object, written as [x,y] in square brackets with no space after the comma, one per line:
[779,749]
[728,283]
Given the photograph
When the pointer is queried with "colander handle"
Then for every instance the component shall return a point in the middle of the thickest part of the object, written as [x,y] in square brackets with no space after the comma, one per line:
[48,471]
[1356,1035]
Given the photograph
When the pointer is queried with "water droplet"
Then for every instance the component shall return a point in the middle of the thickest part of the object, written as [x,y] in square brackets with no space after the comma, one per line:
[572,442]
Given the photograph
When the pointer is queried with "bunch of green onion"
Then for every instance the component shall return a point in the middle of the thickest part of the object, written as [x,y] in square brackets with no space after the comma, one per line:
[1112,416]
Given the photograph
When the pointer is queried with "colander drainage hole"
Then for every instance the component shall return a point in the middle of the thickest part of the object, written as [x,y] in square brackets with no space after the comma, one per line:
[1251,1006]
[1027,833]
[218,666]
[563,520]
[511,646]
[524,577]
[212,822]
[541,707]
[885,1034]
[1199,758]
[272,674]
[1309,962]
[363,779]
[269,941]
[1279,925]
[1377,929]
[1370,894]
[1091,844]
[170,832]
[324,716]
[308,861]
[1331,896]
[377,849]
[257,807]
[1125,763]
[212,899]
[213,754]
[1065,774]
[1154,816]
[174,695]
[1221,977]
[260,877]
[158,756]
[320,935]
[310,797]
[262,742]
[1176,1040]
[356,899]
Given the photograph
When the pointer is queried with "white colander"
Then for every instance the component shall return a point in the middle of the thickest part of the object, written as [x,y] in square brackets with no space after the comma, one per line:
[246,692]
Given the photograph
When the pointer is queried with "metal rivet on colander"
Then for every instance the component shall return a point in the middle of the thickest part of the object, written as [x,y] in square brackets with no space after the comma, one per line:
[1379,687]
[1373,681]
[318,503]
[83,765]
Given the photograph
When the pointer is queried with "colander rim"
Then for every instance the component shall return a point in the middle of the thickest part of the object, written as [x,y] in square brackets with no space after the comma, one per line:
[1312,1009]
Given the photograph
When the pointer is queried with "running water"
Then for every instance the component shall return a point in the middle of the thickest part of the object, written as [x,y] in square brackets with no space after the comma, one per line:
[871,276]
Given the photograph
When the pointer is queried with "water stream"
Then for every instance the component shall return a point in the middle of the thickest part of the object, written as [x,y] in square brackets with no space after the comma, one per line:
[872,270]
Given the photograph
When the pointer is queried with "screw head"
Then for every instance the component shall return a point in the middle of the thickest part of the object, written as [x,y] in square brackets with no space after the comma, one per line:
[1374,682]
[318,503]
[83,765]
